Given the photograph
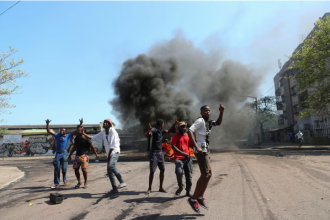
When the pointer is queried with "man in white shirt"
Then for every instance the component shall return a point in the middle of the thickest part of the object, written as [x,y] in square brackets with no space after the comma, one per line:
[300,138]
[202,129]
[112,147]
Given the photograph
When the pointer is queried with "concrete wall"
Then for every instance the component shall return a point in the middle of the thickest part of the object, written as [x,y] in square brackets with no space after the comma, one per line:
[37,145]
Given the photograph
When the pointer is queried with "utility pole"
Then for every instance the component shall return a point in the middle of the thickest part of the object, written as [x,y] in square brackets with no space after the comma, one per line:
[258,142]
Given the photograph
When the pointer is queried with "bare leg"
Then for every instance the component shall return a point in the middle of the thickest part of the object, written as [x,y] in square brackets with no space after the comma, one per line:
[151,178]
[76,171]
[84,171]
[199,186]
[161,179]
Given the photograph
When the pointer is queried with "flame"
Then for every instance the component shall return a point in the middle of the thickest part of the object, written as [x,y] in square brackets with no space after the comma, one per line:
[191,150]
[167,148]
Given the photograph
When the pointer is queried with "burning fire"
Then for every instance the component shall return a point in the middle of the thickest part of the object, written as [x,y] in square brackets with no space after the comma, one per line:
[167,148]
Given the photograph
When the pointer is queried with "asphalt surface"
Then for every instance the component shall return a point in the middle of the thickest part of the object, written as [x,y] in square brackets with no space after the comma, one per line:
[246,184]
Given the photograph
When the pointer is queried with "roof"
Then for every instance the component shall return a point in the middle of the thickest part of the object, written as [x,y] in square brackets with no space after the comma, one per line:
[35,131]
[43,126]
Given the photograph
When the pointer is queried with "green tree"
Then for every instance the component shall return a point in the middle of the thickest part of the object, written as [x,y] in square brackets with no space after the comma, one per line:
[312,60]
[8,76]
[266,112]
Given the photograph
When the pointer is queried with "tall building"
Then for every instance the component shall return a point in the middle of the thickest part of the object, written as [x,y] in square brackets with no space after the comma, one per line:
[289,100]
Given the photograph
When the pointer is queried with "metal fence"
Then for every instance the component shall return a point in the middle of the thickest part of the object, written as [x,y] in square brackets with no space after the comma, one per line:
[320,131]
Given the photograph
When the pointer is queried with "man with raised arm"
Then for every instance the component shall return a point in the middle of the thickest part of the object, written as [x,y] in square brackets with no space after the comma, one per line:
[156,154]
[112,146]
[82,145]
[201,128]
[60,161]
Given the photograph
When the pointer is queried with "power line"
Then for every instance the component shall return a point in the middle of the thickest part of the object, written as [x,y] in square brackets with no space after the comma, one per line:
[10,7]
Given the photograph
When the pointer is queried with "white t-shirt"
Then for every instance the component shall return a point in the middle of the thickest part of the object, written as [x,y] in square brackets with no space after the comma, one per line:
[200,131]
[299,135]
[110,141]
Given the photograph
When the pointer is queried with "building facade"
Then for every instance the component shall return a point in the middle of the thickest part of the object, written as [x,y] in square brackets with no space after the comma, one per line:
[289,101]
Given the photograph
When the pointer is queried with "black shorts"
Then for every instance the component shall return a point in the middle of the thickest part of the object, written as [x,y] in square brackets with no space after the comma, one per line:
[156,159]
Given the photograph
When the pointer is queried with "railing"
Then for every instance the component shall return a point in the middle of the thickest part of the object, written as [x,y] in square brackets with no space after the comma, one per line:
[322,130]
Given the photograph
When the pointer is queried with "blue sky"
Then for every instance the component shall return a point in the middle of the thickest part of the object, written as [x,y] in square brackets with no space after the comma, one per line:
[74,50]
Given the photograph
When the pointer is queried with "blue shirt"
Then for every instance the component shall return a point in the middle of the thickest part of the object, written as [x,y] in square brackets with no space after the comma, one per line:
[62,142]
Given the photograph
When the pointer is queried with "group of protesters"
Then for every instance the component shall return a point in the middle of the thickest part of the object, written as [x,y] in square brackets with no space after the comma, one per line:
[82,145]
[196,137]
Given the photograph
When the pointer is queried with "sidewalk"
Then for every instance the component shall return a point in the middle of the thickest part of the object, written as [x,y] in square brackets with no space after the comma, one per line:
[291,146]
[9,175]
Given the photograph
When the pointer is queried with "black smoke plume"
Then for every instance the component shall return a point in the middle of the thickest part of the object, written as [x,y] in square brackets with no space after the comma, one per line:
[175,78]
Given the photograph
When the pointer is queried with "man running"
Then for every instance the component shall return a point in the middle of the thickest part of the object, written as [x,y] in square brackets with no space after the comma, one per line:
[112,147]
[60,161]
[202,129]
[156,154]
[82,144]
[183,163]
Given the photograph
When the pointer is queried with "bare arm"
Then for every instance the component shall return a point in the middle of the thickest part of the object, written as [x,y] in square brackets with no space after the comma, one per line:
[192,139]
[93,148]
[47,127]
[175,149]
[173,126]
[81,122]
[221,110]
[73,150]
[86,135]
[148,132]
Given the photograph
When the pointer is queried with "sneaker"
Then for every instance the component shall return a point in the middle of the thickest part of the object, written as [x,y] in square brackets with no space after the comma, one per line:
[178,192]
[193,205]
[113,191]
[188,193]
[202,203]
[122,185]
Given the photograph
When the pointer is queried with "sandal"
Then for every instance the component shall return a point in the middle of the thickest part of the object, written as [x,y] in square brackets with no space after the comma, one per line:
[77,186]
[85,186]
[66,183]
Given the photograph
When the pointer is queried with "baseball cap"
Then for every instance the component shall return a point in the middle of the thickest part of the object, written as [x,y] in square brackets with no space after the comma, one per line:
[182,123]
[108,120]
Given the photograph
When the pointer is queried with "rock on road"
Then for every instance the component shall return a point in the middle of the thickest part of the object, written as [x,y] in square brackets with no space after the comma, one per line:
[244,185]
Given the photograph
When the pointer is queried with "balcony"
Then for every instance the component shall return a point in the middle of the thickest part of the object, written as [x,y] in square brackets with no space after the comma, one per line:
[293,91]
[279,106]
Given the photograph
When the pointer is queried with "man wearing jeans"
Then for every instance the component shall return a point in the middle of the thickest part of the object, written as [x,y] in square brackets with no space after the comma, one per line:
[183,164]
[60,160]
[112,147]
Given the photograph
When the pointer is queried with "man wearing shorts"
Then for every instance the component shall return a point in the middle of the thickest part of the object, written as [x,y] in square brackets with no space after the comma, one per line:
[202,129]
[82,144]
[156,154]
[183,163]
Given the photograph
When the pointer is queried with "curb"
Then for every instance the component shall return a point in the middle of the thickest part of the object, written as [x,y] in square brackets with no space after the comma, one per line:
[17,178]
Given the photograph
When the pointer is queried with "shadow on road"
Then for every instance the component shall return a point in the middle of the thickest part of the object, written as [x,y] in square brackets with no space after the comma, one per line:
[153,199]
[168,217]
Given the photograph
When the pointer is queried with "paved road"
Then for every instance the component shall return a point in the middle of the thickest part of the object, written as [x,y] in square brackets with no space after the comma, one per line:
[255,184]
